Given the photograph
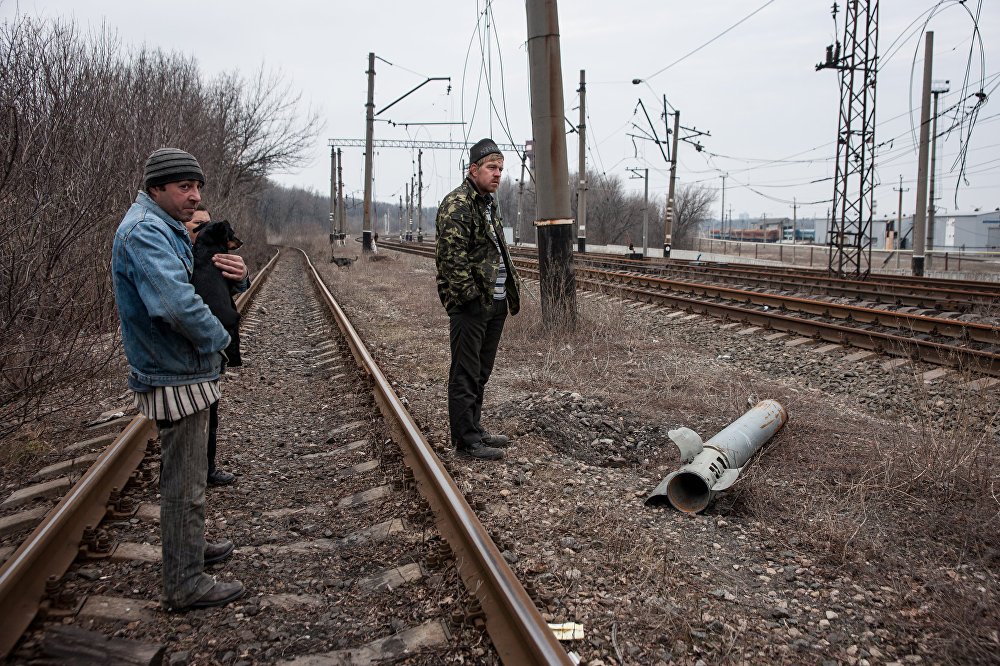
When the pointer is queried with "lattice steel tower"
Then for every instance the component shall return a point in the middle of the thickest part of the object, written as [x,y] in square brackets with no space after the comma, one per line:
[854,181]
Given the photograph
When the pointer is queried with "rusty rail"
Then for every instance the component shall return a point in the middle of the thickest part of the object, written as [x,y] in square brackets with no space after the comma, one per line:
[879,341]
[519,633]
[955,297]
[896,345]
[951,328]
[882,288]
[54,544]
[823,274]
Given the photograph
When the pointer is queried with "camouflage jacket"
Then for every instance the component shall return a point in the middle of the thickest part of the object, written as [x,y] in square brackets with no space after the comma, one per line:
[467,258]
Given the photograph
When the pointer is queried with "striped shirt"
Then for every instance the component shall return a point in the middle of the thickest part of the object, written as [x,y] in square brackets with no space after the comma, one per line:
[173,403]
[500,287]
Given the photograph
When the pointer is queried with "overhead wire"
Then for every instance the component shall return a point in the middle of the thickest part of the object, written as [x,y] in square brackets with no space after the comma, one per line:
[721,34]
[485,22]
[894,47]
[467,127]
[505,123]
[887,157]
[965,133]
[981,98]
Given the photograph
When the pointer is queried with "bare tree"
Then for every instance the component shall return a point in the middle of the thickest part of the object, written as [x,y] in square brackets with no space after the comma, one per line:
[507,195]
[78,116]
[693,203]
[606,204]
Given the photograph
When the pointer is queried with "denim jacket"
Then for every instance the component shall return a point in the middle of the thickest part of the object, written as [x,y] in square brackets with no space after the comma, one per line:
[171,338]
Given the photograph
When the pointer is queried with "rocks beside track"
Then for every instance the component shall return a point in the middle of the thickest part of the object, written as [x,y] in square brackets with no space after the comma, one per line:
[809,558]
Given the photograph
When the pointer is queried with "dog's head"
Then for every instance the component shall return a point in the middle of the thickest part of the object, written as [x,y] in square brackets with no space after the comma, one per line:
[218,234]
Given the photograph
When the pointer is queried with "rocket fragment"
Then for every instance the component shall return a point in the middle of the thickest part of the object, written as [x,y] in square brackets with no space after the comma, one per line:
[714,465]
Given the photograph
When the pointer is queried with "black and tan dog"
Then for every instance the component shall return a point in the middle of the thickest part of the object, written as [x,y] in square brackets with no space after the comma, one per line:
[209,283]
[343,262]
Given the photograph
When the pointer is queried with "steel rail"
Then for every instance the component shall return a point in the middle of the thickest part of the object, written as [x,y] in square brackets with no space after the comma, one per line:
[258,280]
[54,544]
[913,283]
[950,297]
[519,634]
[917,282]
[909,295]
[51,548]
[951,328]
[877,341]
[885,288]
[897,345]
[912,293]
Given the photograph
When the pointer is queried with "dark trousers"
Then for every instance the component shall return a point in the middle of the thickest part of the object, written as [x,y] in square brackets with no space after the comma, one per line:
[475,336]
[213,426]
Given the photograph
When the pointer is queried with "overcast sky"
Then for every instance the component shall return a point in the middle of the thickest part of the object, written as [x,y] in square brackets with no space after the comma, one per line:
[771,116]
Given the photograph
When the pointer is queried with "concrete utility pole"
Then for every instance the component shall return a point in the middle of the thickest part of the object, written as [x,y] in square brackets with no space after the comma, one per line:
[669,222]
[333,195]
[553,211]
[644,174]
[406,212]
[795,221]
[722,217]
[366,223]
[897,233]
[520,200]
[581,196]
[920,211]
[420,197]
[400,217]
[413,197]
[936,90]
[341,232]
[645,214]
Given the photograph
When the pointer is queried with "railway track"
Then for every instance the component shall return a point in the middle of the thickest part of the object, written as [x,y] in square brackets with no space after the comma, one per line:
[654,264]
[953,342]
[964,296]
[352,538]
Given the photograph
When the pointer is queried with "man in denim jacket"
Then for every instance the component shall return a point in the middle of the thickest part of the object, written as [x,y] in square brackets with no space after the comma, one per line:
[173,344]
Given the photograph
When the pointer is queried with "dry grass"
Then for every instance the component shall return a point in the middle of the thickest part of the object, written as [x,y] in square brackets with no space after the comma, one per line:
[912,501]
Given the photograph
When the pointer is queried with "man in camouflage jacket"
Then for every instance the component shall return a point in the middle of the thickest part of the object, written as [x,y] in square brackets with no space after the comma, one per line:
[478,287]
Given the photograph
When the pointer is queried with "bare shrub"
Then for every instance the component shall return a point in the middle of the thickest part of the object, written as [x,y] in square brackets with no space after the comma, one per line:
[78,117]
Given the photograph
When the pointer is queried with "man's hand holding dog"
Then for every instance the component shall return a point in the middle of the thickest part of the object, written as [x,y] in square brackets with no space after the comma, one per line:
[231,265]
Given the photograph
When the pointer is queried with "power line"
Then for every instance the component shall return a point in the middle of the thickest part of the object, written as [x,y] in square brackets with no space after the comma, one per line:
[691,53]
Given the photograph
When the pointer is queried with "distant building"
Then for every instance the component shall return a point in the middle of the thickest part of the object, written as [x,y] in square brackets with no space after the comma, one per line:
[968,232]
[768,230]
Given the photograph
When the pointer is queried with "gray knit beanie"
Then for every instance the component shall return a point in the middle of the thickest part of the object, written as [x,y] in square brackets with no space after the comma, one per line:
[170,165]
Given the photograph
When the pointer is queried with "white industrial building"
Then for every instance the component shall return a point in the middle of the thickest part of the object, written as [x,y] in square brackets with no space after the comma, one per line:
[958,232]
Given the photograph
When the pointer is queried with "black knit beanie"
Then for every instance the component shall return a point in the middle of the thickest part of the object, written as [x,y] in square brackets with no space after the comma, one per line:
[482,149]
[170,165]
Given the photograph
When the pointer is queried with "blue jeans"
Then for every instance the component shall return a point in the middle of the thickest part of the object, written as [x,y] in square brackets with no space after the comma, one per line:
[183,475]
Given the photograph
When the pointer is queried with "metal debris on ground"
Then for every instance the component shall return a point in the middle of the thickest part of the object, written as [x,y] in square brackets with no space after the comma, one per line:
[714,465]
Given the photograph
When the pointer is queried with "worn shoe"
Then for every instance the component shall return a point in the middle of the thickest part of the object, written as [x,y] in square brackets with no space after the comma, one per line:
[491,439]
[220,595]
[219,478]
[216,552]
[480,451]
